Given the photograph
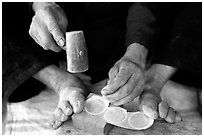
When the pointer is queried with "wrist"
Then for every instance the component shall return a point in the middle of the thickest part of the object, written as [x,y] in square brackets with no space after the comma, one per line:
[137,53]
[41,5]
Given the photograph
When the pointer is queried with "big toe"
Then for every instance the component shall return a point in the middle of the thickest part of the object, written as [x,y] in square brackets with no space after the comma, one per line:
[148,103]
[65,107]
[58,118]
[171,116]
[163,109]
[77,100]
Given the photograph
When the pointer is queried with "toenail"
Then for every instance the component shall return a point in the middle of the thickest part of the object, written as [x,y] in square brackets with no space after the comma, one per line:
[56,124]
[63,118]
[78,103]
[67,110]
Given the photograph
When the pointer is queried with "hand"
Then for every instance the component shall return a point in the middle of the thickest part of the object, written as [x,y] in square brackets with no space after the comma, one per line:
[126,78]
[48,26]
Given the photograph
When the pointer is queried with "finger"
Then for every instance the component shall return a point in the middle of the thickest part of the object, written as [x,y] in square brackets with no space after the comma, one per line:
[170,116]
[55,30]
[149,102]
[163,109]
[138,87]
[77,100]
[66,107]
[126,99]
[123,91]
[46,40]
[121,79]
[113,72]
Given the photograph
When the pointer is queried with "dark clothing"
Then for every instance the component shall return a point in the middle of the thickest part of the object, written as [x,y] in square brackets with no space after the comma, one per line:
[171,32]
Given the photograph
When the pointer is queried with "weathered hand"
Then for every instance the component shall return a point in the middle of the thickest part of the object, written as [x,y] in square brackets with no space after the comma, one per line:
[126,81]
[126,78]
[48,26]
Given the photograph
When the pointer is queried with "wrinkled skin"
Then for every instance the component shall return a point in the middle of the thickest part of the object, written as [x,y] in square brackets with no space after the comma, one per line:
[48,27]
[126,81]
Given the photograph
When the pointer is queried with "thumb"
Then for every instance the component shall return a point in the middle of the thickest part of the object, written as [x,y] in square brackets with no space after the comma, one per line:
[57,34]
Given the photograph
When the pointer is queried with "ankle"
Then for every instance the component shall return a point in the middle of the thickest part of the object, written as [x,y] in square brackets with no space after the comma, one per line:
[158,75]
[53,77]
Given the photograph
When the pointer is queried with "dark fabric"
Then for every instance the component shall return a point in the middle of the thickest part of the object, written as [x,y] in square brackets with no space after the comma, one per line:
[182,47]
[171,32]
[21,56]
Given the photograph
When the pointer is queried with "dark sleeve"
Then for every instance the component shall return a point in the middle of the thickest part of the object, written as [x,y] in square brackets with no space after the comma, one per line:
[146,20]
[183,47]
[139,25]
[21,56]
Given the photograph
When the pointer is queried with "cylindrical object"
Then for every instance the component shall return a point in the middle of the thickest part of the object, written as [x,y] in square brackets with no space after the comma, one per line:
[77,55]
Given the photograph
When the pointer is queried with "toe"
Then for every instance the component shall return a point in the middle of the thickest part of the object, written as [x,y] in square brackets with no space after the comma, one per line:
[178,117]
[65,107]
[149,105]
[77,100]
[56,119]
[171,116]
[163,109]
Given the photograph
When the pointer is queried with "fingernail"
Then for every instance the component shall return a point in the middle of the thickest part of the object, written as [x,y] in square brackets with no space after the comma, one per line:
[56,124]
[76,109]
[61,42]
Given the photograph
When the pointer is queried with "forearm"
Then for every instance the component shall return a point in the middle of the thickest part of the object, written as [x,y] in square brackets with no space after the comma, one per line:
[139,23]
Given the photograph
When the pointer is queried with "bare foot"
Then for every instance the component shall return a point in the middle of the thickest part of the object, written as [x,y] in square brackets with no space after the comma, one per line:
[71,100]
[181,98]
[70,89]
[155,108]
[175,101]
[154,101]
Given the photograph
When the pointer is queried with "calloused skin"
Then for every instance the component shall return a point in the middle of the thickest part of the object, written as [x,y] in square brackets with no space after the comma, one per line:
[70,89]
[126,78]
[151,101]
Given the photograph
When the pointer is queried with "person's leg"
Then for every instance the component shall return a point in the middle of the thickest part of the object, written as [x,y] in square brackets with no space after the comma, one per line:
[183,51]
[21,57]
[165,98]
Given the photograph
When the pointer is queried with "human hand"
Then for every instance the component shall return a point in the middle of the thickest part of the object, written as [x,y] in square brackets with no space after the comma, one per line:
[126,78]
[48,26]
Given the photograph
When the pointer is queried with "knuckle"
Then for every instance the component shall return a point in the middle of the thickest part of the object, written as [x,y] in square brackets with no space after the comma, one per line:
[52,27]
[46,45]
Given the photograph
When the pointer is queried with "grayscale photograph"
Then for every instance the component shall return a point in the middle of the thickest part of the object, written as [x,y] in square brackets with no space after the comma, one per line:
[101,68]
